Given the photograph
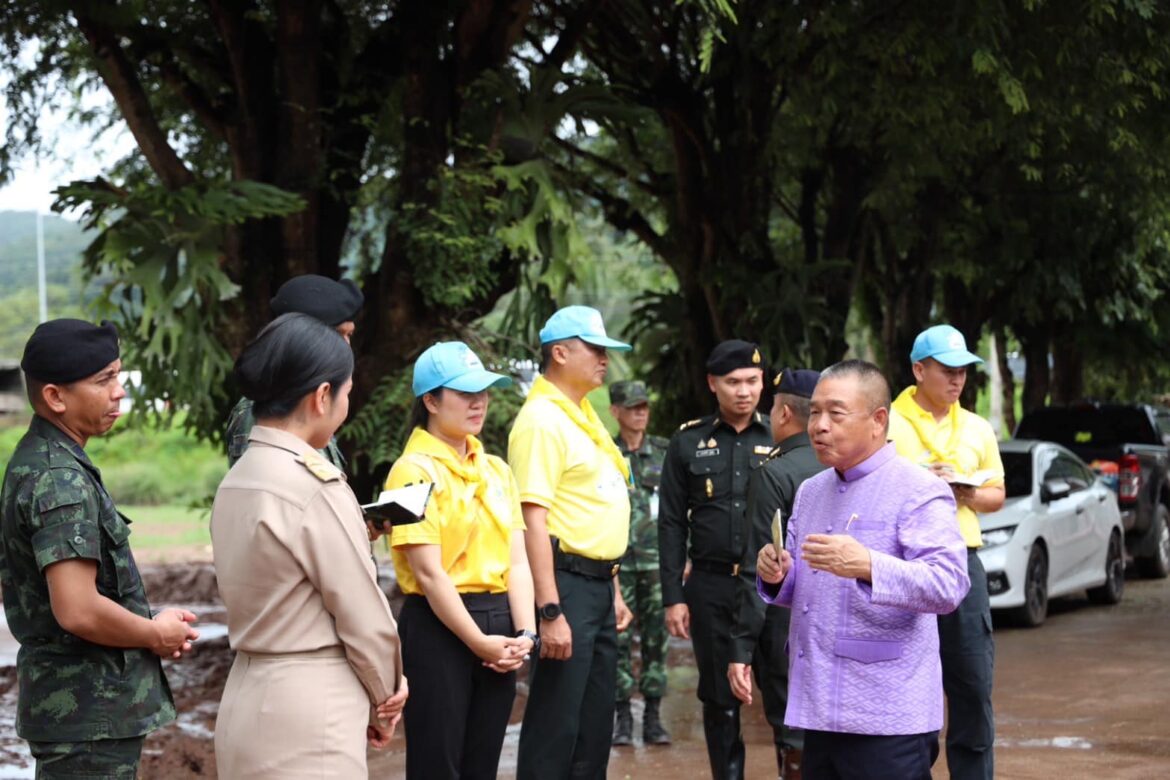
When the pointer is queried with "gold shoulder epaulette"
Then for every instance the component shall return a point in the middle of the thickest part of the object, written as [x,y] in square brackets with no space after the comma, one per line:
[319,467]
[690,423]
[773,454]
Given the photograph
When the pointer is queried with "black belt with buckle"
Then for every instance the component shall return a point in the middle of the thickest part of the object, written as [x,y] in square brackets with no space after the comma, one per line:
[717,567]
[588,567]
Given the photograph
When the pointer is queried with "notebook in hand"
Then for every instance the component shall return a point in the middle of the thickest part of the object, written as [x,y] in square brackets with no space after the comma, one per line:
[975,479]
[401,506]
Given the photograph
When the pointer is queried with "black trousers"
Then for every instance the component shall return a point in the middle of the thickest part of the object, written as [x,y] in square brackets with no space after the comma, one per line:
[568,723]
[830,755]
[770,666]
[967,649]
[711,599]
[458,710]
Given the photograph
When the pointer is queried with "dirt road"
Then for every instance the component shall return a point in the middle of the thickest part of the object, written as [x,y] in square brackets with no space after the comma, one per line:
[1081,697]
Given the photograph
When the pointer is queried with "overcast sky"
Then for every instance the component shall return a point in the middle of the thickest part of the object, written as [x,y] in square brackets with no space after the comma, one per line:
[77,156]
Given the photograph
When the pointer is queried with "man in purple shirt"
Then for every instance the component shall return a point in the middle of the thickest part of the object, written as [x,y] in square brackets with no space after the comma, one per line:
[872,555]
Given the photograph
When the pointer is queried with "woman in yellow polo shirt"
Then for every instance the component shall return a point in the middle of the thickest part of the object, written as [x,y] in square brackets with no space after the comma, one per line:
[468,622]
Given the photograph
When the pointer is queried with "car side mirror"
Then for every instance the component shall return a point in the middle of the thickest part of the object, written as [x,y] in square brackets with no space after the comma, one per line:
[1054,490]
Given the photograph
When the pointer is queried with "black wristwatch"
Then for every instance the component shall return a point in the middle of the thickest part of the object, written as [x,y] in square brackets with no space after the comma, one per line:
[550,611]
[534,638]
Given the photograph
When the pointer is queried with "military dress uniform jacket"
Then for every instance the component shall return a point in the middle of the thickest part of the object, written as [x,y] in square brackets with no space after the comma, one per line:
[645,480]
[704,496]
[293,562]
[54,508]
[772,486]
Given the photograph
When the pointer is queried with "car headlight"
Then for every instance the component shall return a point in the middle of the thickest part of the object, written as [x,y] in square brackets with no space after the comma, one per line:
[998,536]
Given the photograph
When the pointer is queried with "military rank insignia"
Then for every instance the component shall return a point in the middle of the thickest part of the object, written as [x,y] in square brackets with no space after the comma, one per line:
[710,488]
[756,357]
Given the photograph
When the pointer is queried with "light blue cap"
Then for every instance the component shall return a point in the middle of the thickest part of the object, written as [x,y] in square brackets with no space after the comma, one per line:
[945,344]
[579,322]
[452,364]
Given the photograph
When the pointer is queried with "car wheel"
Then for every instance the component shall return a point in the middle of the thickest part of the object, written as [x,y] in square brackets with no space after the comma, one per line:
[1110,592]
[1157,566]
[1035,607]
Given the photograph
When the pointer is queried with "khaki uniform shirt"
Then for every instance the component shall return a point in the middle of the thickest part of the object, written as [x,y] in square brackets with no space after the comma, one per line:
[293,561]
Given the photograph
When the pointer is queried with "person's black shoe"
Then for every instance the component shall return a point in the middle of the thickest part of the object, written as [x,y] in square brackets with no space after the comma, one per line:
[653,732]
[623,724]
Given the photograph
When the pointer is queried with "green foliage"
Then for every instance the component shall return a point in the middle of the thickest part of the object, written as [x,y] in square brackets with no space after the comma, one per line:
[156,263]
[146,464]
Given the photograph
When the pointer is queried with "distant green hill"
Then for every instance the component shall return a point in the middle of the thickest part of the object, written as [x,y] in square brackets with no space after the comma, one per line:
[64,242]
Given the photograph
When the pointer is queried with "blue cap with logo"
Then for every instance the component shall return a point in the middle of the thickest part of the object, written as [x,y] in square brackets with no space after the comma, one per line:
[946,345]
[452,364]
[579,322]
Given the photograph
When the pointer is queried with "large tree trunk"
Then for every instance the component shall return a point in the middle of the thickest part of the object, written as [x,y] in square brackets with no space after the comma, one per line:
[1034,342]
[1068,371]
[1007,383]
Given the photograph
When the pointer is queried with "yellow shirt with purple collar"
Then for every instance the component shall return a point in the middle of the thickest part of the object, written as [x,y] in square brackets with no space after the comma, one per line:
[962,439]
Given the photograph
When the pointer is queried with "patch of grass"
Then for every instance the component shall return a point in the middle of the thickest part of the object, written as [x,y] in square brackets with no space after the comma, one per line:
[166,526]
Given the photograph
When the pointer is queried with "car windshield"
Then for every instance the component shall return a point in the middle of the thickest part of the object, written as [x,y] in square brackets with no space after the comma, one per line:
[1088,425]
[1017,473]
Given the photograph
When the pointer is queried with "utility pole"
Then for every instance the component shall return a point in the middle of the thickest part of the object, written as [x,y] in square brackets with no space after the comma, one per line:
[41,294]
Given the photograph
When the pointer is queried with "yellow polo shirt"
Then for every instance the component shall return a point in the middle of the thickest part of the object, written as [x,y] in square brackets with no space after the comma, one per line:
[976,450]
[558,466]
[471,521]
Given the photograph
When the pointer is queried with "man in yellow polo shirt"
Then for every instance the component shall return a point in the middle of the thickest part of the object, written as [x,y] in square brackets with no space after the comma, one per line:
[573,493]
[928,426]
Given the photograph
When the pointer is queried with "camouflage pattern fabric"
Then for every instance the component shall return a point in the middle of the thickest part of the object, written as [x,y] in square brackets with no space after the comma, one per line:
[639,580]
[116,759]
[239,426]
[53,507]
[645,476]
[642,592]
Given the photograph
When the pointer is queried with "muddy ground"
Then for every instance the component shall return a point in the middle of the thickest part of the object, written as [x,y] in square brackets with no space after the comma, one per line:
[1084,696]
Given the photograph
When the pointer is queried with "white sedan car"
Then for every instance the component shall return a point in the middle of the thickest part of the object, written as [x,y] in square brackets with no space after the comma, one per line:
[1059,532]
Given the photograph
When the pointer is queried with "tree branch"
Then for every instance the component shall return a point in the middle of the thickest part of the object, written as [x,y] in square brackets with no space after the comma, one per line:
[620,213]
[608,165]
[125,87]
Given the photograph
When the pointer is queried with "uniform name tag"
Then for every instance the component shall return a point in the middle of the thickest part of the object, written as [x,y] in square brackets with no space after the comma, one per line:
[760,449]
[706,453]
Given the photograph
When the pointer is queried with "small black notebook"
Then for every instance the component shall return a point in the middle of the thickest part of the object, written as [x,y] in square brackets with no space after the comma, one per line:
[401,506]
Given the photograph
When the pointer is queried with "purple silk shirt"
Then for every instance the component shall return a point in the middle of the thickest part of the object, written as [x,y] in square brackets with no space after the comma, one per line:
[863,658]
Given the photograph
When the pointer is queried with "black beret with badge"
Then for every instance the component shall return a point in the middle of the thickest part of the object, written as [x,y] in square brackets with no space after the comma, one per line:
[65,350]
[734,354]
[325,299]
[628,394]
[796,381]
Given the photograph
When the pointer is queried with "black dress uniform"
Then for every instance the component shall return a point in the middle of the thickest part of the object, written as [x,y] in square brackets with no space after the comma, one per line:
[702,499]
[760,631]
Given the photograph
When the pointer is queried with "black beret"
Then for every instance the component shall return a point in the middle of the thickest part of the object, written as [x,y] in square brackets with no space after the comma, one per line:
[732,354]
[327,300]
[628,394]
[65,350]
[796,381]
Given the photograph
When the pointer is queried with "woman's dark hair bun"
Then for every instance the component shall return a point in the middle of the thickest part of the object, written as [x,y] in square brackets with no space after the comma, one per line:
[292,356]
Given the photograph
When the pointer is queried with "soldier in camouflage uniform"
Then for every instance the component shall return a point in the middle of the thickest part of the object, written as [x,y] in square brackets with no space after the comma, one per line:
[334,303]
[640,584]
[91,683]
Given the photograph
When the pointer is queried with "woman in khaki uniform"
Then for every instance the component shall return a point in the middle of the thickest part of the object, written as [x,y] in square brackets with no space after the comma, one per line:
[318,672]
